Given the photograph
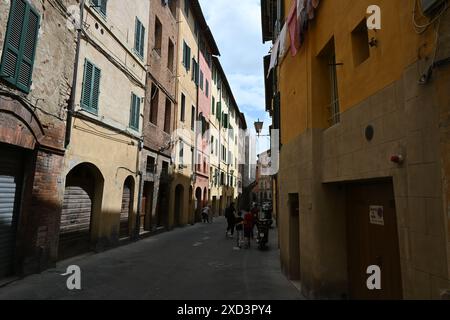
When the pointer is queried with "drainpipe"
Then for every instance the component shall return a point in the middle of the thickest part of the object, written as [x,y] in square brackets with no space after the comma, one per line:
[74,80]
[196,127]
[139,204]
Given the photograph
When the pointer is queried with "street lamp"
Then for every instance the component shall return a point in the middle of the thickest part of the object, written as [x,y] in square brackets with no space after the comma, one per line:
[258,127]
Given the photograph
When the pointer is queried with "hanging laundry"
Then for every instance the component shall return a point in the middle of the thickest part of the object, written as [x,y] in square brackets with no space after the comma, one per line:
[274,56]
[311,6]
[283,42]
[301,7]
[293,27]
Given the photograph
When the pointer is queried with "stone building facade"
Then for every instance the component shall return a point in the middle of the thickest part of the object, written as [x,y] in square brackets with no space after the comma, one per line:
[37,52]
[363,177]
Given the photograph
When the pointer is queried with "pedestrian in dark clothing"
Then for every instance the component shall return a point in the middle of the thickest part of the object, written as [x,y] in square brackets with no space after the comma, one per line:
[230,216]
[255,215]
[248,228]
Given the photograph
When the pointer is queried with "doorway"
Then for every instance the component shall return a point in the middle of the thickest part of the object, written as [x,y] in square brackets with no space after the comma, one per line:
[372,239]
[294,236]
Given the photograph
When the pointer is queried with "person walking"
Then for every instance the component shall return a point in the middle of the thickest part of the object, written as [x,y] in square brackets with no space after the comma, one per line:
[255,218]
[248,228]
[239,230]
[205,214]
[230,216]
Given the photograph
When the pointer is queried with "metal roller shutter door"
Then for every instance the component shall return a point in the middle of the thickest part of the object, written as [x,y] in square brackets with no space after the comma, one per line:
[75,225]
[10,184]
[125,212]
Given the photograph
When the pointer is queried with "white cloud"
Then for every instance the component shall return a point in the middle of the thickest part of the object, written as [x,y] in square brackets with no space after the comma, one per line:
[236,26]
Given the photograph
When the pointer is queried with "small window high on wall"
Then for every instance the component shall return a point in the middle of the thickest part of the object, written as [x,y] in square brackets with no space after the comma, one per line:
[360,43]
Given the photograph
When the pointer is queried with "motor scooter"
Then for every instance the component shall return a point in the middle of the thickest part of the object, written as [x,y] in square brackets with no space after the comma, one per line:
[263,233]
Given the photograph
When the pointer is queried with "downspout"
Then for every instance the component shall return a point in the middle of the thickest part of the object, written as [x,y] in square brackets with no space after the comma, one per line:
[74,80]
[196,127]
[140,176]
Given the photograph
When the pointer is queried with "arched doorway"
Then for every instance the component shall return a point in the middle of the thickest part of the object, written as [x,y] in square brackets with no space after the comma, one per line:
[127,208]
[198,204]
[82,197]
[178,212]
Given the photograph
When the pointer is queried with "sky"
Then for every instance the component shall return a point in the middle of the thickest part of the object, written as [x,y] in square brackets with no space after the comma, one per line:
[236,26]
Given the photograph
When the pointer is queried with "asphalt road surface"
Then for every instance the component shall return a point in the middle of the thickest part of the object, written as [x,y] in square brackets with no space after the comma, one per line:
[193,263]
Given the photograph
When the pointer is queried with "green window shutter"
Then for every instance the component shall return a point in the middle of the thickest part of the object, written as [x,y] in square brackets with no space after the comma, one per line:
[103,6]
[139,38]
[184,53]
[141,48]
[213,105]
[91,87]
[135,111]
[100,6]
[20,45]
[96,88]
[188,58]
[87,85]
[137,35]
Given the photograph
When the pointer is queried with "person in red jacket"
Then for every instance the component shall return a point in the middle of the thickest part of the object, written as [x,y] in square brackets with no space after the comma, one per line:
[248,227]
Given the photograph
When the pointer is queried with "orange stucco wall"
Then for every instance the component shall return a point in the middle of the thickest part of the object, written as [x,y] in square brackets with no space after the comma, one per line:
[398,46]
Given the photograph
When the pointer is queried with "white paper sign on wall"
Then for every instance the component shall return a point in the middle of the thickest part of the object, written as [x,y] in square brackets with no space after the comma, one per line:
[377,215]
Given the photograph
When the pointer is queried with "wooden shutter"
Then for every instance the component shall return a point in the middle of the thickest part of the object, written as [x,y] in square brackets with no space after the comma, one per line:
[103,5]
[87,85]
[184,53]
[137,35]
[135,111]
[139,38]
[141,47]
[20,45]
[96,89]
[91,87]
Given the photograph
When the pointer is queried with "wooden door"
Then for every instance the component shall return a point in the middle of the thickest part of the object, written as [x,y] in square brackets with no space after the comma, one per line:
[373,241]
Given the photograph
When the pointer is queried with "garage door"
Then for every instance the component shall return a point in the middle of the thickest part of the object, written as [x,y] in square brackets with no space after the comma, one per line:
[75,228]
[125,212]
[10,184]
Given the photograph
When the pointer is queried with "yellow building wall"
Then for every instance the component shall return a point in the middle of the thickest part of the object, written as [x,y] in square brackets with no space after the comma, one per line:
[398,46]
[116,161]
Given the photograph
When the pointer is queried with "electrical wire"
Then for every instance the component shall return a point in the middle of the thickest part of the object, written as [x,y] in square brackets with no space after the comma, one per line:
[420,29]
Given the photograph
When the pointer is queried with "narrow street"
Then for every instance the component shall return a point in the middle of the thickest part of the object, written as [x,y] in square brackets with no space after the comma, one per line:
[196,262]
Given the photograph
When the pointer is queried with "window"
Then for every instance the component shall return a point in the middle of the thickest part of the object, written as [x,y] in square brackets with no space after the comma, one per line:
[219,111]
[20,45]
[154,101]
[213,106]
[170,58]
[186,56]
[195,69]
[360,43]
[193,118]
[225,120]
[181,153]
[212,145]
[135,111]
[139,39]
[186,8]
[173,7]
[330,93]
[207,88]
[158,36]
[91,87]
[100,6]
[167,116]
[183,108]
[201,80]
[150,168]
